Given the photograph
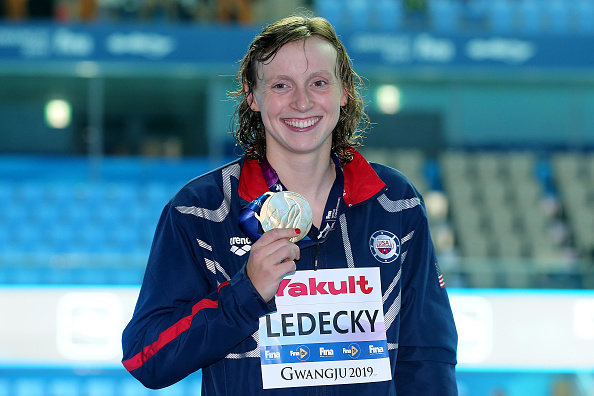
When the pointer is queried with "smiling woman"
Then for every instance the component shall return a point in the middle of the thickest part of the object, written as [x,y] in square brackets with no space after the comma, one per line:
[367,263]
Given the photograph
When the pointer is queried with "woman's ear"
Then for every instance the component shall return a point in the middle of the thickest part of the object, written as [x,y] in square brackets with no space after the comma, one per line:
[251,98]
[344,97]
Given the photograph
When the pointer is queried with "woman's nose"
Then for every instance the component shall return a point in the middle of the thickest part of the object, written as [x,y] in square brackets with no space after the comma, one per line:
[302,100]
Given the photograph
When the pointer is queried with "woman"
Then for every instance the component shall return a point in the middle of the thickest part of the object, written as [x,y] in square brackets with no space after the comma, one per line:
[202,301]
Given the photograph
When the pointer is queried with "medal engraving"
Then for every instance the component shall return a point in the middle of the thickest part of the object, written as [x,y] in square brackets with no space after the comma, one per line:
[286,209]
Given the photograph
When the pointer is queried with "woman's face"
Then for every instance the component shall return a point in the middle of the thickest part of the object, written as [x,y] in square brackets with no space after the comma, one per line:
[299,97]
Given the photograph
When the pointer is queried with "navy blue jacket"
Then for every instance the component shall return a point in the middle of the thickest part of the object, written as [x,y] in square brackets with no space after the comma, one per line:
[198,310]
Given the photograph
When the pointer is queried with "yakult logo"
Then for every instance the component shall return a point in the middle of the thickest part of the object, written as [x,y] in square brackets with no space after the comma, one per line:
[313,287]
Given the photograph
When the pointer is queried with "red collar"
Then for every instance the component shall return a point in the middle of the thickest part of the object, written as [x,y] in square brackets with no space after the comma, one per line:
[360,180]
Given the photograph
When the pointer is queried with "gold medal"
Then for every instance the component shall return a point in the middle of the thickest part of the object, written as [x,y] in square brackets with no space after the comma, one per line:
[286,209]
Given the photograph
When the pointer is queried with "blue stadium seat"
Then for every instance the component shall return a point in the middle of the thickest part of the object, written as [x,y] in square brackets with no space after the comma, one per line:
[131,387]
[91,238]
[558,15]
[123,239]
[445,15]
[26,237]
[135,214]
[146,235]
[584,15]
[358,14]
[5,385]
[99,387]
[47,214]
[194,383]
[108,215]
[475,12]
[332,10]
[63,387]
[58,276]
[5,236]
[58,238]
[17,215]
[59,193]
[91,276]
[126,192]
[530,16]
[389,14]
[155,193]
[30,192]
[88,194]
[127,276]
[500,16]
[22,276]
[179,389]
[77,214]
[26,386]
[6,194]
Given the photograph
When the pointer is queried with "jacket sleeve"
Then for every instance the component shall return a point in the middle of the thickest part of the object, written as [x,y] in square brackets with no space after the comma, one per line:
[184,320]
[428,339]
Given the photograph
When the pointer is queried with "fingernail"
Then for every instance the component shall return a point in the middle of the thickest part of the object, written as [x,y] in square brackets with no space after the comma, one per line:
[297,231]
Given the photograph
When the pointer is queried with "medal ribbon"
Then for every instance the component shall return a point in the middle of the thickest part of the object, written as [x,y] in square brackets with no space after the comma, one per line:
[251,226]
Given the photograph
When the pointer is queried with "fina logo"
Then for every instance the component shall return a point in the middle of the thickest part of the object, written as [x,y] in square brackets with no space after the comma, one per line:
[384,246]
[353,351]
[301,353]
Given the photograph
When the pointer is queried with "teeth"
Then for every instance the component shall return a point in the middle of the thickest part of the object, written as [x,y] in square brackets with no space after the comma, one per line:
[301,124]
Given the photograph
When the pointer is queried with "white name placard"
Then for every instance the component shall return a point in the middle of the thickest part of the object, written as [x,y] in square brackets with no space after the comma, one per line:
[328,329]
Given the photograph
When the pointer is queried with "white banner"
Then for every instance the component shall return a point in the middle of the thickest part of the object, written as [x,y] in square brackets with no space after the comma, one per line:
[81,326]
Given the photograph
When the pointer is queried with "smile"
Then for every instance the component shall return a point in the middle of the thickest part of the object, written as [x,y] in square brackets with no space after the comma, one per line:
[302,123]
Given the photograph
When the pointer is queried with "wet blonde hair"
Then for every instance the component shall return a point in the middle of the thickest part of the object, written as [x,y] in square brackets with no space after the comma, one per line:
[248,129]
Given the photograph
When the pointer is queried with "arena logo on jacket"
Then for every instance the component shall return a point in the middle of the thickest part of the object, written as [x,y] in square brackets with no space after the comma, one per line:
[240,245]
[385,246]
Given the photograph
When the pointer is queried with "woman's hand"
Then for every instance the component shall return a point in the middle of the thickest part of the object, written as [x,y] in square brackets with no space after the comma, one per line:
[272,257]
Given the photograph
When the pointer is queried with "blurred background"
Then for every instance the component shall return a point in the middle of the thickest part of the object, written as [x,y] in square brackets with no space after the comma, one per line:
[107,107]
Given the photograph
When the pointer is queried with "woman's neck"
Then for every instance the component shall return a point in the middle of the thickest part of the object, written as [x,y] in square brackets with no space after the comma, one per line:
[303,174]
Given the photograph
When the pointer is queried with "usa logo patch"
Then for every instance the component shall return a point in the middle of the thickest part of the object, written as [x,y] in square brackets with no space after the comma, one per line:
[384,246]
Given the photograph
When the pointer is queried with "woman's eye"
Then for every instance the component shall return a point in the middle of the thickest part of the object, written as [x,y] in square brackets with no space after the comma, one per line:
[320,83]
[279,86]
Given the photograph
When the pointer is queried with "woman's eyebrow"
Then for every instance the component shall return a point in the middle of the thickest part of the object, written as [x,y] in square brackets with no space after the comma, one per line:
[279,77]
[319,73]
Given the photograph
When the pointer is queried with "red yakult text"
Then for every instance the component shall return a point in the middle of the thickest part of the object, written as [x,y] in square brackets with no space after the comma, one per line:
[313,287]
